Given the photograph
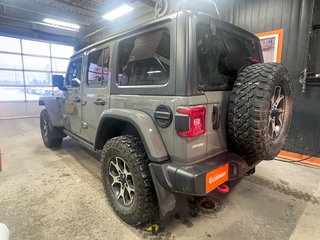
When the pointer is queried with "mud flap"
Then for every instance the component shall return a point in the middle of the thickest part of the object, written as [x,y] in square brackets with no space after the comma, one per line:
[167,200]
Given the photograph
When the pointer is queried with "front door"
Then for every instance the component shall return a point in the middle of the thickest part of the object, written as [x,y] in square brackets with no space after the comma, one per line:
[95,90]
[72,97]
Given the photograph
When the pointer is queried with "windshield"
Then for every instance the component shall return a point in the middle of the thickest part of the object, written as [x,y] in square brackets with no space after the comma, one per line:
[221,54]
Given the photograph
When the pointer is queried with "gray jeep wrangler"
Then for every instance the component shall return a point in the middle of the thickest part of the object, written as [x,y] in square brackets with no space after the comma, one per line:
[181,104]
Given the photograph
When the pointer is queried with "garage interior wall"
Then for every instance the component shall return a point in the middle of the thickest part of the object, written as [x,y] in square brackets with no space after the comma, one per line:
[295,18]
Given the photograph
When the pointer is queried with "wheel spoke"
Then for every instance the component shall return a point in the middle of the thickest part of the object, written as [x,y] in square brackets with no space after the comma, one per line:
[121,194]
[273,127]
[278,100]
[129,194]
[129,189]
[116,166]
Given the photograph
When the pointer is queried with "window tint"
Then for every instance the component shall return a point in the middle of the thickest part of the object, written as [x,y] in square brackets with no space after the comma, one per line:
[73,78]
[220,56]
[98,68]
[145,60]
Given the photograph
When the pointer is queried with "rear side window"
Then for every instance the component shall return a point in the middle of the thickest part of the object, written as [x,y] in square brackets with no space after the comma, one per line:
[73,78]
[221,55]
[98,68]
[144,59]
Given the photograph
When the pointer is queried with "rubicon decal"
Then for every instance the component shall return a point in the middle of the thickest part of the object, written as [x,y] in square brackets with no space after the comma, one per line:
[216,177]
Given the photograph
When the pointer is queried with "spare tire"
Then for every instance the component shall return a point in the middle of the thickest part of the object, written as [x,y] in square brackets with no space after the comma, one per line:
[259,112]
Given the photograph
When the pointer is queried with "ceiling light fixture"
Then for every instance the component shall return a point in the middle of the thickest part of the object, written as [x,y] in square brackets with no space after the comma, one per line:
[118,12]
[61,24]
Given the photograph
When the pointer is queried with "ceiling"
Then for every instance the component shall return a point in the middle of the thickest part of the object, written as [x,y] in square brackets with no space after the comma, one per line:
[25,17]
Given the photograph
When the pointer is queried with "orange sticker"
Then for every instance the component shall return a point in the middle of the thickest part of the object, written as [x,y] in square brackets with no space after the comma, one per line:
[216,177]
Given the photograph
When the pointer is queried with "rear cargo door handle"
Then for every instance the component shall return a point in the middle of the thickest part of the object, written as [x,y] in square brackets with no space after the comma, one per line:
[76,100]
[99,102]
[216,115]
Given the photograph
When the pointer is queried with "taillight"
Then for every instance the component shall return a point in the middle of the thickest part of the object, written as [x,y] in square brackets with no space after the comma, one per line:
[196,117]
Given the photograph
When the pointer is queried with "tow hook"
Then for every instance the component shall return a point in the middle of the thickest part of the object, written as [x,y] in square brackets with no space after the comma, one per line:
[223,188]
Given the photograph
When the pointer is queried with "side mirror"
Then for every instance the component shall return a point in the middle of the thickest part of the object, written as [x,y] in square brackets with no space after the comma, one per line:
[58,81]
[75,82]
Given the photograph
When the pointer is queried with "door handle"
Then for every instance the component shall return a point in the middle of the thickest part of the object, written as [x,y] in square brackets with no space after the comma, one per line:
[99,102]
[76,100]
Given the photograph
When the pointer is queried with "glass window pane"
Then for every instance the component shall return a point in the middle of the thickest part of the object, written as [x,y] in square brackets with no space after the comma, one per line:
[62,51]
[10,61]
[74,73]
[37,78]
[98,68]
[145,60]
[34,93]
[59,65]
[8,44]
[35,47]
[221,54]
[11,94]
[36,63]
[11,77]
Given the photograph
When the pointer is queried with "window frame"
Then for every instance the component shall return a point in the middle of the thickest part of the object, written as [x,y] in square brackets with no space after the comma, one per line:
[103,47]
[168,89]
[137,36]
[67,73]
[226,27]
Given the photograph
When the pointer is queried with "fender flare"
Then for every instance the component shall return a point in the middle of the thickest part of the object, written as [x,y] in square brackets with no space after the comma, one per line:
[144,125]
[53,108]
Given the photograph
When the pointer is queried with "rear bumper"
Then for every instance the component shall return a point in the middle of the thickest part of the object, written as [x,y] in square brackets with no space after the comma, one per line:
[194,179]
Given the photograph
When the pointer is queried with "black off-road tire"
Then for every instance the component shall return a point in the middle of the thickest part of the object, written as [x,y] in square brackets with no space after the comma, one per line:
[252,111]
[52,137]
[144,206]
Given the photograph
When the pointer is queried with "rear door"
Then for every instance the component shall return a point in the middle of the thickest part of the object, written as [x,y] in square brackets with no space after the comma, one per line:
[222,51]
[95,90]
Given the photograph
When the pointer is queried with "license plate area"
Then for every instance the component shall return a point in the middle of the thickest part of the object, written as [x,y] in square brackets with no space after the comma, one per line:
[216,177]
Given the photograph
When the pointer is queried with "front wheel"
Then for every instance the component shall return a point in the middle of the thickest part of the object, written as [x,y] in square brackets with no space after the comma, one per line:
[51,136]
[127,181]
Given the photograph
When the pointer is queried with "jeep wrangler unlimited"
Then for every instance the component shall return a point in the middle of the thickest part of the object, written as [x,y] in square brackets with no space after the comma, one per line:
[181,104]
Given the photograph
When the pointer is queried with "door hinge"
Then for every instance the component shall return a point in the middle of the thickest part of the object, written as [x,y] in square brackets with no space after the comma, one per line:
[84,125]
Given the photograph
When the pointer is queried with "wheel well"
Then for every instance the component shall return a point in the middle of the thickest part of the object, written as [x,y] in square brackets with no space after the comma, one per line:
[112,128]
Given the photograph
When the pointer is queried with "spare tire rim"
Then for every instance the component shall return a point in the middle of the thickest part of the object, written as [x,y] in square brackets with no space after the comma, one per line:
[276,116]
[121,181]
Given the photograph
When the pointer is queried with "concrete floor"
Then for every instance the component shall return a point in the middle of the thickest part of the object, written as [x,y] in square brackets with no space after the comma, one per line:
[47,194]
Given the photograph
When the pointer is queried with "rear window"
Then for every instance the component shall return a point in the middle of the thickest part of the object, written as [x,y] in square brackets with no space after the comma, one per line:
[144,59]
[221,55]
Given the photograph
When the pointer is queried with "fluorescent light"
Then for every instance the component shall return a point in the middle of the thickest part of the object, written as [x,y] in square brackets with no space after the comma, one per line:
[118,12]
[61,24]
[152,72]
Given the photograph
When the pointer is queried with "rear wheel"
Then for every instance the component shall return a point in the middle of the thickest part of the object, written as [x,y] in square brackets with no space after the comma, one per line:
[51,136]
[127,180]
[260,110]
